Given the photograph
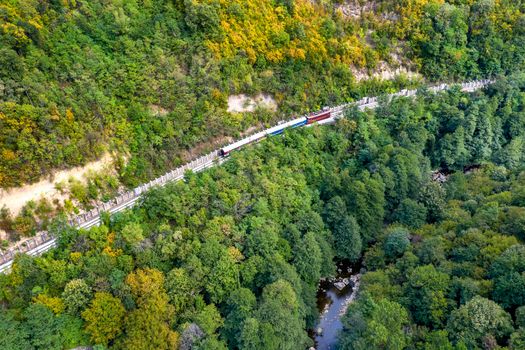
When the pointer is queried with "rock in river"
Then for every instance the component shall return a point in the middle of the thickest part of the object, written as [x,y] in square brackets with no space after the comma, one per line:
[342,283]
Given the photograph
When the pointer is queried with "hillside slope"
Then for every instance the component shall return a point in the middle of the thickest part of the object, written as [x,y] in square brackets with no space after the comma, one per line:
[78,78]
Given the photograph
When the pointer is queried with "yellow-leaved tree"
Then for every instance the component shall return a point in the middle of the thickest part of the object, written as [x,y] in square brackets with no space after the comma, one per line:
[104,318]
[148,326]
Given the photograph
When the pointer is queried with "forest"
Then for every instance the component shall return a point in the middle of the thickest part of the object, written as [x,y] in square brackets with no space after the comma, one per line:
[231,258]
[148,80]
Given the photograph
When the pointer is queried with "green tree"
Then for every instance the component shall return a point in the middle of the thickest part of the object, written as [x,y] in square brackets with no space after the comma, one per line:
[209,319]
[72,332]
[432,197]
[240,306]
[438,340]
[367,200]
[463,289]
[308,259]
[509,290]
[443,43]
[223,279]
[14,335]
[277,322]
[425,292]
[478,319]
[512,154]
[374,324]
[201,18]
[180,288]
[253,337]
[347,238]
[410,213]
[104,318]
[511,260]
[520,316]
[76,296]
[514,222]
[42,327]
[334,211]
[211,343]
[517,339]
[431,250]
[454,153]
[378,285]
[262,237]
[132,233]
[396,243]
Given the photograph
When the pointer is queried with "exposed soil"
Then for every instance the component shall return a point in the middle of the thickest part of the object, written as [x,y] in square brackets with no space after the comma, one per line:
[397,66]
[15,198]
[384,72]
[242,103]
[354,9]
[158,110]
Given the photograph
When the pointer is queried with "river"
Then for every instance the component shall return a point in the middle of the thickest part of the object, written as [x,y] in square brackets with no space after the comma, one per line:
[332,303]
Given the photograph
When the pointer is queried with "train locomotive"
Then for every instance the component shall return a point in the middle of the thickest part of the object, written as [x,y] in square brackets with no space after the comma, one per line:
[278,129]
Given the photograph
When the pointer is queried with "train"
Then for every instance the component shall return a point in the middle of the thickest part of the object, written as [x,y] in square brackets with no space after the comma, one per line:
[278,129]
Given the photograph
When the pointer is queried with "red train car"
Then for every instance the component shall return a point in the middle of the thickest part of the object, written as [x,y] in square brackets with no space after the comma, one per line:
[318,116]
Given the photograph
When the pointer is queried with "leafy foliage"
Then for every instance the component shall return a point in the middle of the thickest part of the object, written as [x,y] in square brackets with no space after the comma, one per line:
[146,80]
[104,318]
[377,325]
[232,257]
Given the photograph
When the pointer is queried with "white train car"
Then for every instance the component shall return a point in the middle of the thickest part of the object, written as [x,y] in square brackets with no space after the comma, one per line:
[255,137]
[275,130]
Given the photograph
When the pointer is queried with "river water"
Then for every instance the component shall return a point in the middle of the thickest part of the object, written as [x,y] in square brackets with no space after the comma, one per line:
[332,303]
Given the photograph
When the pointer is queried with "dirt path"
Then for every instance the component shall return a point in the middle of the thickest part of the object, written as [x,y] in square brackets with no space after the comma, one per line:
[15,198]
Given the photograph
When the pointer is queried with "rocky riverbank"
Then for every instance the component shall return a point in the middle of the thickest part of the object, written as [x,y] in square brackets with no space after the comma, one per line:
[333,298]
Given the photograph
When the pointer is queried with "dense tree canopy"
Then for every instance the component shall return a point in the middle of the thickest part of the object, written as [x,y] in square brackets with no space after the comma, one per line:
[232,257]
[457,266]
